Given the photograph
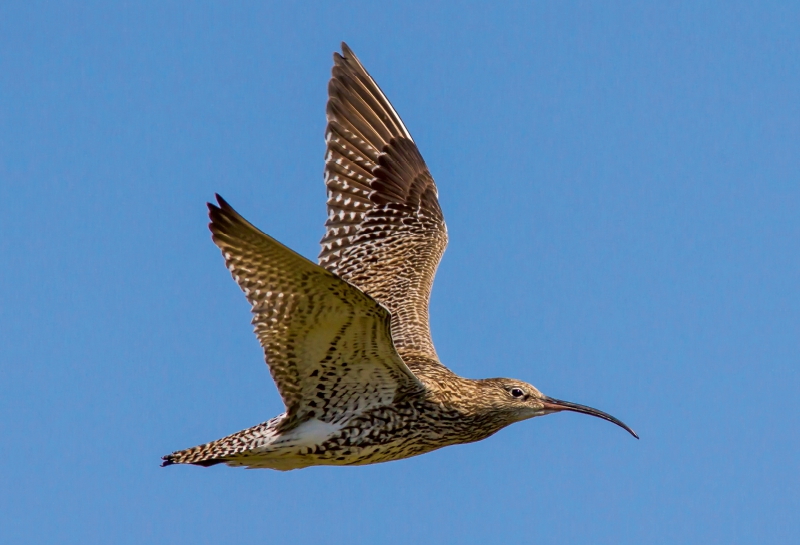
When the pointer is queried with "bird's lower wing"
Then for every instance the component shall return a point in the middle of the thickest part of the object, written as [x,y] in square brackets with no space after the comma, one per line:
[327,344]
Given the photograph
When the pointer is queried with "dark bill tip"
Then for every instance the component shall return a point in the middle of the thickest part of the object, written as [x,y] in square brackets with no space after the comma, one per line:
[551,404]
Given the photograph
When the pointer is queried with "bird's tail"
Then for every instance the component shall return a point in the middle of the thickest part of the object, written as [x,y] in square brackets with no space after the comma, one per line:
[221,450]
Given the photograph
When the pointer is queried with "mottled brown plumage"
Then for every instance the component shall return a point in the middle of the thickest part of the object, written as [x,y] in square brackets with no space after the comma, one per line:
[347,341]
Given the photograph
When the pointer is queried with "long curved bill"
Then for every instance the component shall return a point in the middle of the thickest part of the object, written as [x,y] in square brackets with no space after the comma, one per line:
[555,405]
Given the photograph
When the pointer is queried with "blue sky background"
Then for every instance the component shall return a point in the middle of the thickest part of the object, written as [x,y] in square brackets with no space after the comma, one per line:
[621,183]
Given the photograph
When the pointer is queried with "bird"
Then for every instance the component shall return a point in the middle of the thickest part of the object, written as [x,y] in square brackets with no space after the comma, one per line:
[347,340]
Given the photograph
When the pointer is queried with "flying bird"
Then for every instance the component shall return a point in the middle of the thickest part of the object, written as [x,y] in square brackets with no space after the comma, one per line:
[347,341]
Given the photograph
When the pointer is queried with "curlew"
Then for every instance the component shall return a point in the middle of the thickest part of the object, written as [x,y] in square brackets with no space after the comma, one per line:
[347,340]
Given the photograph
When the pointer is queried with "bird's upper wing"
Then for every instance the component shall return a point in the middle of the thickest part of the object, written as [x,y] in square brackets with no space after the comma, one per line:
[327,344]
[385,229]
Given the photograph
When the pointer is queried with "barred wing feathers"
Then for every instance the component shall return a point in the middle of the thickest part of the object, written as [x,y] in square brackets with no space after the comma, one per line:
[327,344]
[385,231]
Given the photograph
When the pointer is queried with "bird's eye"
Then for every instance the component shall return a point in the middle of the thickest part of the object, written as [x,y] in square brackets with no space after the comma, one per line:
[517,392]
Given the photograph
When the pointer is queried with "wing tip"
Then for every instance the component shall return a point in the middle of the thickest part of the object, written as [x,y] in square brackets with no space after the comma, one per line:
[349,59]
[346,51]
[223,219]
[172,459]
[346,58]
[221,203]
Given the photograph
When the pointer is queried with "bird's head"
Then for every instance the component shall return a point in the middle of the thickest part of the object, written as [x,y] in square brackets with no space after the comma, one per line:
[516,400]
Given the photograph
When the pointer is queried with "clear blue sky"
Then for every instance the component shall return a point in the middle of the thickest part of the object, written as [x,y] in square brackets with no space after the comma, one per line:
[621,183]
